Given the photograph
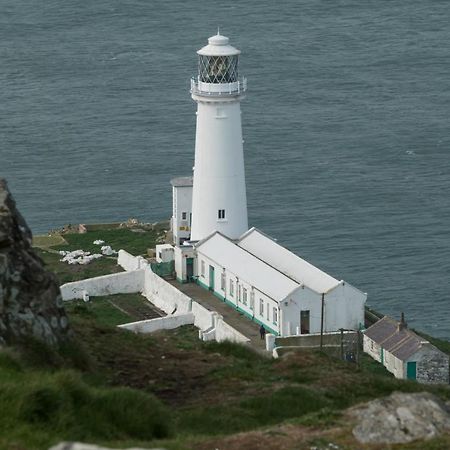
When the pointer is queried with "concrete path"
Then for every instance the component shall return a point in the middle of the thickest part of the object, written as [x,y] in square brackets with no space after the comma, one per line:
[231,316]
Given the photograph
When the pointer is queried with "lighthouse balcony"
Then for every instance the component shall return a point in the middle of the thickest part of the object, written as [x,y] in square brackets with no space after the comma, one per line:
[218,89]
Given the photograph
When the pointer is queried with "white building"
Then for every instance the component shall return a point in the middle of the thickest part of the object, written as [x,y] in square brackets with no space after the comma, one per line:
[245,268]
[404,353]
[275,287]
[181,209]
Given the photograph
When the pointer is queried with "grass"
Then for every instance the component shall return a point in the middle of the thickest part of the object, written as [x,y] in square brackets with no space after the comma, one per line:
[67,273]
[136,243]
[115,388]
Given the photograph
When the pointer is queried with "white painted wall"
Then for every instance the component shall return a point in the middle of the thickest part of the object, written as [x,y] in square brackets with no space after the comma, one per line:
[165,296]
[225,332]
[160,323]
[269,303]
[219,177]
[181,254]
[117,283]
[164,253]
[204,319]
[372,348]
[129,262]
[182,202]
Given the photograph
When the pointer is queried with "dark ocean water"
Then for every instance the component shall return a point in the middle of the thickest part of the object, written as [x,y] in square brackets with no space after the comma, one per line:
[346,126]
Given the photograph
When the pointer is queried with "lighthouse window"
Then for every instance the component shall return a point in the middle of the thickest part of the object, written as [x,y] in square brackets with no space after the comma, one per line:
[218,69]
[221,214]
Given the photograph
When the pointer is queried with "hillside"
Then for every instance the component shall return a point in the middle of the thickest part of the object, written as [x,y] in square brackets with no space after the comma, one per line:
[171,390]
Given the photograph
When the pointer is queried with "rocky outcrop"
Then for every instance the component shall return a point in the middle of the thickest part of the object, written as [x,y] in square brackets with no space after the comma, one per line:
[30,300]
[80,446]
[401,418]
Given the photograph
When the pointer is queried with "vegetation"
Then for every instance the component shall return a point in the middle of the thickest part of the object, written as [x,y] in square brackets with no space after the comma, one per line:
[171,390]
[135,242]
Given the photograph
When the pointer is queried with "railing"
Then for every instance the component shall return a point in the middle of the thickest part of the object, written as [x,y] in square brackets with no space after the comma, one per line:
[218,89]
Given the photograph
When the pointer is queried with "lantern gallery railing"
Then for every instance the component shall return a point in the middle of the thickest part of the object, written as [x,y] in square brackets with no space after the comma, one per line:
[218,89]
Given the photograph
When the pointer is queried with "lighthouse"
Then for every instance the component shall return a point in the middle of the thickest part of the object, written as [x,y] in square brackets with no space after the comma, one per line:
[219,200]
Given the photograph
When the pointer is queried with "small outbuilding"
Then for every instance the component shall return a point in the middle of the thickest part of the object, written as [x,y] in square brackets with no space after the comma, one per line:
[404,353]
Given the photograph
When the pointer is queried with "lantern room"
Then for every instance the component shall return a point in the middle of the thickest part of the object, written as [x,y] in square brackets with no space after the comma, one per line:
[218,69]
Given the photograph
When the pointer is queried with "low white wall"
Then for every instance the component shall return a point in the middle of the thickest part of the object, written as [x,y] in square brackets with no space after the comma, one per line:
[204,319]
[165,296]
[161,323]
[129,262]
[117,283]
[225,332]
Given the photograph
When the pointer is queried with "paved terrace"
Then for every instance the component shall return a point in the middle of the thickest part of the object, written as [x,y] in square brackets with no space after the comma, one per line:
[231,316]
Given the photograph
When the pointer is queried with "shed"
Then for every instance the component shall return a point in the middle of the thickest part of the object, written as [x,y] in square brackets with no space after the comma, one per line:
[404,353]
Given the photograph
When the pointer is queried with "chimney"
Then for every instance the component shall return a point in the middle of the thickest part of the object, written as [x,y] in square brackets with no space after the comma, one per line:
[402,325]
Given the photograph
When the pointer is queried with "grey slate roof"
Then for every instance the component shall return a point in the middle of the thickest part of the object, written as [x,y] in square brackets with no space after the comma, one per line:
[401,343]
[182,181]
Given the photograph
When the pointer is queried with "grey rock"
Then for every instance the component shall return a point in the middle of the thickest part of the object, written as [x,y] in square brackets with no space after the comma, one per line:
[29,295]
[80,446]
[401,418]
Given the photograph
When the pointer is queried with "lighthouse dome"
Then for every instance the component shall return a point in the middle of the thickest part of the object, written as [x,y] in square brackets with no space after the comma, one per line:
[218,45]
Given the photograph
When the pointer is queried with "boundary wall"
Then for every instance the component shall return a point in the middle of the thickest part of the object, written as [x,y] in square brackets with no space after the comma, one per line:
[161,323]
[129,262]
[180,309]
[165,296]
[117,283]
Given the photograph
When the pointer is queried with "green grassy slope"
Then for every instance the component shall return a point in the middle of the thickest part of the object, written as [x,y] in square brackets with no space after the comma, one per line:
[170,390]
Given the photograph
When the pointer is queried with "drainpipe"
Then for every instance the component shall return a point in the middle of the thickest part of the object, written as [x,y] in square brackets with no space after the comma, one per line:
[321,321]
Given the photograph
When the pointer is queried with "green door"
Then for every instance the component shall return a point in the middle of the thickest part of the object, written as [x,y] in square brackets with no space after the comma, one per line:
[411,370]
[189,268]
[211,278]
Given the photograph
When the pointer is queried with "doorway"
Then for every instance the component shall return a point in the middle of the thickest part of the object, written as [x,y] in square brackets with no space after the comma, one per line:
[189,268]
[211,278]
[304,322]
[411,370]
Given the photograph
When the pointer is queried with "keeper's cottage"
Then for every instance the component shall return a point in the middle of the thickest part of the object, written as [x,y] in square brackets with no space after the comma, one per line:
[212,243]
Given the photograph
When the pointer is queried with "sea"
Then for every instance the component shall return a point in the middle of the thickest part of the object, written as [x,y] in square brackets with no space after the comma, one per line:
[346,126]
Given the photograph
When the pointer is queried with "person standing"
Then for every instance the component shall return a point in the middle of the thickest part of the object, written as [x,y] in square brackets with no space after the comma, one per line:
[262,332]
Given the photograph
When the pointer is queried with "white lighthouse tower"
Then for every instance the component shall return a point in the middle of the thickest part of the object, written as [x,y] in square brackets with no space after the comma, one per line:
[219,201]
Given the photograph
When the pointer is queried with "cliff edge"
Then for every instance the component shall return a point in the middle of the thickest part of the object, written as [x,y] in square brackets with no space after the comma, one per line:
[30,300]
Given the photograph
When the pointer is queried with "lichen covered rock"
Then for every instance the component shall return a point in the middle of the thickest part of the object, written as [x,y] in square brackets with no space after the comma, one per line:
[401,418]
[30,300]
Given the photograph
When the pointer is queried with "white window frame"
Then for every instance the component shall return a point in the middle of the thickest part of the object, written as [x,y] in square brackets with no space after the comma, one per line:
[261,307]
[252,300]
[202,268]
[221,214]
[184,215]
[223,281]
[231,288]
[275,316]
[244,296]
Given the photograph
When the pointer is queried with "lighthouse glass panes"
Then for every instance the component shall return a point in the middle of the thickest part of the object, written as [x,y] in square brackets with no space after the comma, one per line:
[218,69]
